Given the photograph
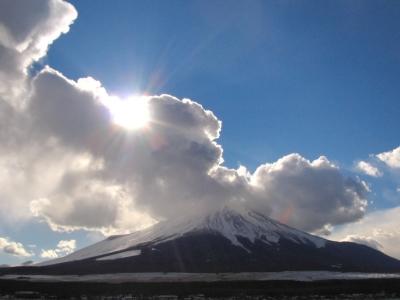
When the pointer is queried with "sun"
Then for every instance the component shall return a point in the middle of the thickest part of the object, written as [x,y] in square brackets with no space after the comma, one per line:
[132,113]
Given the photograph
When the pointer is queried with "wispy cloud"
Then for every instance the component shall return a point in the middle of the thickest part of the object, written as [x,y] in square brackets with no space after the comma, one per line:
[368,169]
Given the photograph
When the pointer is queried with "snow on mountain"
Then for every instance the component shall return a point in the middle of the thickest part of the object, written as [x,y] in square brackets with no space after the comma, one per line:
[231,223]
[119,255]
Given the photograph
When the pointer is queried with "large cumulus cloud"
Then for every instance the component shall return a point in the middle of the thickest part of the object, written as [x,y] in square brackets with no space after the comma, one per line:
[74,168]
[310,195]
[27,28]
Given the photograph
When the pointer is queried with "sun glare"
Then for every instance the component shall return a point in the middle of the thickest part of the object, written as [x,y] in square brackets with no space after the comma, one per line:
[132,113]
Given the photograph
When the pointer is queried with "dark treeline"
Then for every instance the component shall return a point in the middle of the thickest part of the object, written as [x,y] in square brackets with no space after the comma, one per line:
[211,289]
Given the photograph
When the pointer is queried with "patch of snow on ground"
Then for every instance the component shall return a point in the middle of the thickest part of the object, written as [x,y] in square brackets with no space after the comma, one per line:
[201,277]
[121,255]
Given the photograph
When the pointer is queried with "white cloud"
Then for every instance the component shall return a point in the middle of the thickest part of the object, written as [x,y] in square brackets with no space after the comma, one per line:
[13,248]
[49,253]
[64,247]
[363,240]
[27,28]
[391,158]
[311,195]
[368,169]
[382,227]
[64,161]
[173,165]
[92,206]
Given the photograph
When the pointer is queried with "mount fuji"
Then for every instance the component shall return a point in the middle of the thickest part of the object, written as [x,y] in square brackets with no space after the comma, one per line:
[227,240]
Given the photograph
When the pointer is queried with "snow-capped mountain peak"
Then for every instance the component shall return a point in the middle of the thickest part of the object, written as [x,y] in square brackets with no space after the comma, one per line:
[252,225]
[234,224]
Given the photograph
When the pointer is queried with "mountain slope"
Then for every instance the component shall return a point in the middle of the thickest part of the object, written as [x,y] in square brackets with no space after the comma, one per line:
[229,240]
[235,226]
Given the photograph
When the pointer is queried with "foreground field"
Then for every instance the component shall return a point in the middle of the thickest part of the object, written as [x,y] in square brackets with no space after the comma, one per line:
[279,289]
[202,277]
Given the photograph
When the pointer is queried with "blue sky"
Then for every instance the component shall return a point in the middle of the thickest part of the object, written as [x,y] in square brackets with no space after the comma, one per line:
[314,77]
[308,77]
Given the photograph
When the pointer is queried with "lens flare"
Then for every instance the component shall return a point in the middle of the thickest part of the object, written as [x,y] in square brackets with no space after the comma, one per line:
[132,113]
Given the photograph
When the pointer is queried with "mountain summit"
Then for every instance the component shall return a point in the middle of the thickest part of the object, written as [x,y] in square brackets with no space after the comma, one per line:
[227,240]
[240,227]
